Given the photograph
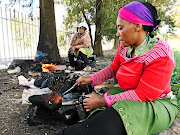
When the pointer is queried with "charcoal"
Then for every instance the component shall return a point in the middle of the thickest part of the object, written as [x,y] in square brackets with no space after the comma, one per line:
[80,65]
[77,89]
[43,106]
[39,115]
[45,83]
[32,120]
[93,61]
[47,101]
[36,67]
[38,82]
[26,65]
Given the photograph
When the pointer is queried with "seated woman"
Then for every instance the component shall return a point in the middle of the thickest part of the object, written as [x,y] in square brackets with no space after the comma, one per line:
[143,103]
[80,46]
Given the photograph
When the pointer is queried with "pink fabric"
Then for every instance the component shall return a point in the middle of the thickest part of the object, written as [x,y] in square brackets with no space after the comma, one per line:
[102,75]
[127,95]
[108,101]
[163,95]
[130,17]
[93,82]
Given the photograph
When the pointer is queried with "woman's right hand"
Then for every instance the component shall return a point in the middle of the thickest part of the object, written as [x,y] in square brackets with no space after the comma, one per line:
[83,80]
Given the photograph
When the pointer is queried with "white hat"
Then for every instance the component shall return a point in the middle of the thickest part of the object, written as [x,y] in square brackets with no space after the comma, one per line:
[83,25]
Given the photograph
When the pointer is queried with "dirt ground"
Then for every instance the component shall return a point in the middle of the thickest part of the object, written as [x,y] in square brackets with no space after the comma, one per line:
[13,114]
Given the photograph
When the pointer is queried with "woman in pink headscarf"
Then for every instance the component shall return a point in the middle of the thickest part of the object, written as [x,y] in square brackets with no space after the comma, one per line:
[143,104]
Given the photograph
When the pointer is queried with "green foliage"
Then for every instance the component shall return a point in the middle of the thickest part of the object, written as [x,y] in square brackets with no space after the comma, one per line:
[75,10]
[175,79]
[61,41]
[176,91]
[178,95]
[57,1]
[163,36]
[109,14]
[165,12]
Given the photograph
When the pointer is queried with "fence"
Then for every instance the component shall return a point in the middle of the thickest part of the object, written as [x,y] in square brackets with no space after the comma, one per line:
[19,35]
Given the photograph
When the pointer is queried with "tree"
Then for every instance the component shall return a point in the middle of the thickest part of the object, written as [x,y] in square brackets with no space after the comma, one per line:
[47,38]
[109,16]
[98,34]
[164,9]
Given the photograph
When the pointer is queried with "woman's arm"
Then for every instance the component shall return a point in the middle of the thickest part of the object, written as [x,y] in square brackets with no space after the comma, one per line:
[102,75]
[73,39]
[108,72]
[83,42]
[79,46]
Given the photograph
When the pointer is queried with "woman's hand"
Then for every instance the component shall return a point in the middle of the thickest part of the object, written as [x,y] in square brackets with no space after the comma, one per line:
[93,101]
[73,48]
[83,80]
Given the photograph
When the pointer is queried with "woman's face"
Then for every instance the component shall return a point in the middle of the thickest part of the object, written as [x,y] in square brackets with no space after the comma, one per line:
[126,32]
[82,30]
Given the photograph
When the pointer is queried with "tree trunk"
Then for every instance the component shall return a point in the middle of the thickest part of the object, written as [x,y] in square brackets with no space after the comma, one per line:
[116,43]
[47,38]
[89,26]
[98,34]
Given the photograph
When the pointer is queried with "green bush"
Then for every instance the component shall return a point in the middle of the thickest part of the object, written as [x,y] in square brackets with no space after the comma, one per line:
[175,79]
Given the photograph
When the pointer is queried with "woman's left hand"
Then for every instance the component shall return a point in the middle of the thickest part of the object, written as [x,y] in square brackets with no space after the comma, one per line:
[93,101]
[73,49]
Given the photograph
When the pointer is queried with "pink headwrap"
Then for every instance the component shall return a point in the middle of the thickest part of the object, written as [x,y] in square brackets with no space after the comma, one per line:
[137,13]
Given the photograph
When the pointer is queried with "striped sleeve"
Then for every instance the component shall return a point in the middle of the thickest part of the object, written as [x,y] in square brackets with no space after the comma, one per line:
[102,75]
[127,95]
[108,72]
